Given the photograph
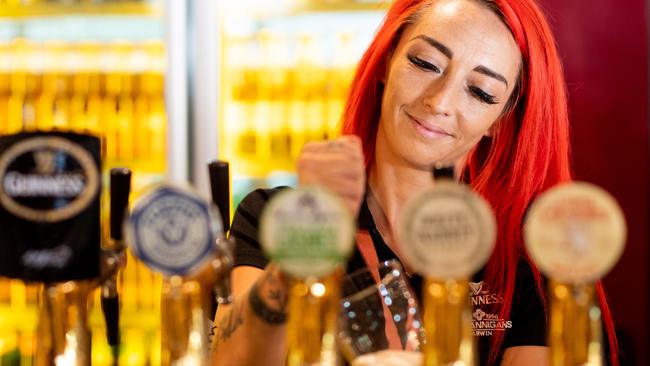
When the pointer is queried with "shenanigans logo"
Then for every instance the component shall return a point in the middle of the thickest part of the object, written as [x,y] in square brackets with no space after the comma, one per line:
[486,324]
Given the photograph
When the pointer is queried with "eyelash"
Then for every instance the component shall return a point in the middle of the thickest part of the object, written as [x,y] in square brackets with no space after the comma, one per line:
[420,63]
[483,96]
[478,92]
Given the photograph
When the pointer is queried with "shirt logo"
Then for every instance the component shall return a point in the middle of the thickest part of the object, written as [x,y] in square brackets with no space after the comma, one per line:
[476,287]
[483,323]
[481,295]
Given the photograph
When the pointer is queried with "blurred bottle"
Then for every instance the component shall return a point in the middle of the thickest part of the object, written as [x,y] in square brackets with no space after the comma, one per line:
[52,101]
[82,64]
[5,84]
[273,86]
[123,76]
[339,78]
[92,55]
[311,74]
[113,75]
[24,86]
[154,92]
[109,89]
[241,73]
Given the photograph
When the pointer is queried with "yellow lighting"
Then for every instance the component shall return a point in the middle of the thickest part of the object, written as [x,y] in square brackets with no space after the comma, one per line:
[317,289]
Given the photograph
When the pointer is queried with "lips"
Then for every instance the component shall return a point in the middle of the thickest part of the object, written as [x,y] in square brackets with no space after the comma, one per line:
[427,129]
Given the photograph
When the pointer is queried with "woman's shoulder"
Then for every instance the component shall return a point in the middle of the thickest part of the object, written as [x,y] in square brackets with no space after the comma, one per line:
[245,227]
[256,200]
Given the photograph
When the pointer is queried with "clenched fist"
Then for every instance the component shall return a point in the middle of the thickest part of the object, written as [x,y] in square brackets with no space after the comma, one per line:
[337,166]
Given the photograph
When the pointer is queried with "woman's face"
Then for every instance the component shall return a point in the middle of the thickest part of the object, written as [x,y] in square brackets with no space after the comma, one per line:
[446,83]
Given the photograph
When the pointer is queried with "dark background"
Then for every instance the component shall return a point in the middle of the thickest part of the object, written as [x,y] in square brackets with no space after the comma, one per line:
[604,47]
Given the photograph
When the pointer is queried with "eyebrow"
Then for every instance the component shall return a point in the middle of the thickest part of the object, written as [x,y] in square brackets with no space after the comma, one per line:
[447,52]
[441,47]
[485,71]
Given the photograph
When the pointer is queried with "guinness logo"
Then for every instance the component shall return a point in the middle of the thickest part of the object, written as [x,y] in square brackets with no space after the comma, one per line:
[47,179]
[44,160]
[476,287]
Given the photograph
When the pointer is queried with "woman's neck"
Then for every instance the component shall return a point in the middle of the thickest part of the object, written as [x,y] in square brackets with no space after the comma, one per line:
[391,186]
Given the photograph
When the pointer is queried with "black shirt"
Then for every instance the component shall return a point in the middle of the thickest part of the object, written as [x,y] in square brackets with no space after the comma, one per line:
[527,323]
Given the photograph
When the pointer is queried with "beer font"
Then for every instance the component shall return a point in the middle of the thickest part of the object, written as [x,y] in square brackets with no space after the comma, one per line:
[575,233]
[173,231]
[447,234]
[309,234]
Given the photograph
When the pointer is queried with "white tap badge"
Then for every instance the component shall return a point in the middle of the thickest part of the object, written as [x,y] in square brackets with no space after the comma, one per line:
[575,232]
[447,232]
[172,230]
[307,231]
[49,206]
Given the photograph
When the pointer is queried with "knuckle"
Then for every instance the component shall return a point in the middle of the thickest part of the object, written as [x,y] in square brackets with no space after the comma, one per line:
[303,163]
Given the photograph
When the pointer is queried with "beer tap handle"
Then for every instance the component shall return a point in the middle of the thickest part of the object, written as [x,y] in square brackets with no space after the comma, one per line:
[220,188]
[120,188]
[224,261]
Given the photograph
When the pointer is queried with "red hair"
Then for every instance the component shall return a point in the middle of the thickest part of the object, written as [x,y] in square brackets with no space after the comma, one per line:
[527,154]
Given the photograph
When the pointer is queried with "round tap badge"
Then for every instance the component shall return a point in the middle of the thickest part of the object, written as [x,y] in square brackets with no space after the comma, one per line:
[447,232]
[172,230]
[47,179]
[307,231]
[575,232]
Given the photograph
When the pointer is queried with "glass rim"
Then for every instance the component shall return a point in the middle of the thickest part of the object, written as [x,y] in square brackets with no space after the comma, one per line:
[362,293]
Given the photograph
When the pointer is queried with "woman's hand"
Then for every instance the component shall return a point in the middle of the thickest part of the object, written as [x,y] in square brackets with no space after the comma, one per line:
[337,166]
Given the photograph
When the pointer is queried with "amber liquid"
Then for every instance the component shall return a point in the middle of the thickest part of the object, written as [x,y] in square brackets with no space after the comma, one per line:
[575,335]
[311,327]
[448,324]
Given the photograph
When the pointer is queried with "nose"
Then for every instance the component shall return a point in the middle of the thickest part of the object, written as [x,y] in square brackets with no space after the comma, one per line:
[439,97]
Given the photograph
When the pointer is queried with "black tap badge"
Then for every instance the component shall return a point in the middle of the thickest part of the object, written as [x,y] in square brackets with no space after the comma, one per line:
[50,186]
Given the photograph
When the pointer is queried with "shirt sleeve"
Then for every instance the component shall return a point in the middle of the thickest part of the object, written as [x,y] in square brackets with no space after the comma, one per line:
[245,228]
[528,314]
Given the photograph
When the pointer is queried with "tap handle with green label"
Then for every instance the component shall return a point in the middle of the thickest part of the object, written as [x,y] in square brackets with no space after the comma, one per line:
[309,233]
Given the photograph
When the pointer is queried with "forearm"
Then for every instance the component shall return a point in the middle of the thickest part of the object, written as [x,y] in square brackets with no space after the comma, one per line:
[252,330]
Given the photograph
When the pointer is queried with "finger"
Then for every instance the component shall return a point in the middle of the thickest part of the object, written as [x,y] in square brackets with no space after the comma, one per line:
[326,164]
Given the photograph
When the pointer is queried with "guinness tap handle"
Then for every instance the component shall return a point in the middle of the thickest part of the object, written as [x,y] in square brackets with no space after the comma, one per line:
[220,187]
[120,189]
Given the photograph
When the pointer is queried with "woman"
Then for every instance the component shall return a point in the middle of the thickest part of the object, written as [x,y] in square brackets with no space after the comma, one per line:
[473,83]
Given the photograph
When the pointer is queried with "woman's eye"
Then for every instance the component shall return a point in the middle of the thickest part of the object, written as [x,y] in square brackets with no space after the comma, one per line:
[483,96]
[420,63]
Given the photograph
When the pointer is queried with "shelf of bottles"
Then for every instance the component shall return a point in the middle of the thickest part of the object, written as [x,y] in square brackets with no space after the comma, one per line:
[284,82]
[114,90]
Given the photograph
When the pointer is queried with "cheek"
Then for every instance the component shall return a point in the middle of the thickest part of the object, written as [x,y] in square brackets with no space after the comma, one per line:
[403,86]
[476,123]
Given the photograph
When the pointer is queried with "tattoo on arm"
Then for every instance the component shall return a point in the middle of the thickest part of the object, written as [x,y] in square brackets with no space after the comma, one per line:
[279,296]
[211,334]
[230,322]
[276,293]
